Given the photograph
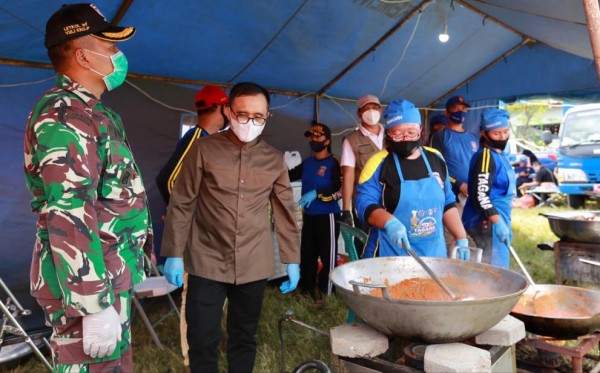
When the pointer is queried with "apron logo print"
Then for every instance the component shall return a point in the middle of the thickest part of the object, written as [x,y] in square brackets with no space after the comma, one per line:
[421,227]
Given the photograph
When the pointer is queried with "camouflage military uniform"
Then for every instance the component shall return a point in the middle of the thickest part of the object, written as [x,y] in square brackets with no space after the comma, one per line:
[93,220]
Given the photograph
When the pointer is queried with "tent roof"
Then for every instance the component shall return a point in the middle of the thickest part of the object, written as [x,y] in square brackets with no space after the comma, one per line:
[341,49]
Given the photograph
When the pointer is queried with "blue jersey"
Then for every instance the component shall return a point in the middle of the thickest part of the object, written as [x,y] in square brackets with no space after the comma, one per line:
[324,176]
[457,149]
[491,181]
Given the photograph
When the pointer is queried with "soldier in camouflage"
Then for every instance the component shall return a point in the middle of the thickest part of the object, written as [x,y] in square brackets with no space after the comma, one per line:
[93,222]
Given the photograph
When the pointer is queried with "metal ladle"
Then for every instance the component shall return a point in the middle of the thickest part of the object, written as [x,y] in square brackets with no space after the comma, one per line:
[592,262]
[538,290]
[514,254]
[431,273]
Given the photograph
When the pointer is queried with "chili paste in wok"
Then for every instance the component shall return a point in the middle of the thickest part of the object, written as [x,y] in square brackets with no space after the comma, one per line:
[428,290]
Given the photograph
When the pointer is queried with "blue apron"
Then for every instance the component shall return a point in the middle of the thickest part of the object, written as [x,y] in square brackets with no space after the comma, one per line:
[500,252]
[421,209]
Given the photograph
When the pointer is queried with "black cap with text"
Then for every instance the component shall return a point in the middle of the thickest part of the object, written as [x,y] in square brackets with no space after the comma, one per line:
[76,20]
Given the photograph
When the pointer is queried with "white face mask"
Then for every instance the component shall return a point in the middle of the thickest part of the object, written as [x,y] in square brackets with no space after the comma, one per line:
[371,117]
[245,132]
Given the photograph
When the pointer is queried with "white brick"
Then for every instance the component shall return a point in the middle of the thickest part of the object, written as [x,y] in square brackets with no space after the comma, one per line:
[357,340]
[506,333]
[456,357]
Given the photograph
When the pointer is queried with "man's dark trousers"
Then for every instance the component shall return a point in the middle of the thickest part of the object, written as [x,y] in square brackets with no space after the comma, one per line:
[204,310]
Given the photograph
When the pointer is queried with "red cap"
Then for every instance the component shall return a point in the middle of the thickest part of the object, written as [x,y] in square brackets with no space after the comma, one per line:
[210,96]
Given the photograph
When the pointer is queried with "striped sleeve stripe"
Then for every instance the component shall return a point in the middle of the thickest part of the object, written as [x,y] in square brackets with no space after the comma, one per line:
[177,169]
[485,163]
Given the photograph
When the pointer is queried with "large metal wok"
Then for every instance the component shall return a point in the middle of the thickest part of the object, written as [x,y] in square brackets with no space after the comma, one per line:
[495,292]
[562,312]
[570,226]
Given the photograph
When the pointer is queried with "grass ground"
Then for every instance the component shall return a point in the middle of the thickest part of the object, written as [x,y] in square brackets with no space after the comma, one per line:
[301,344]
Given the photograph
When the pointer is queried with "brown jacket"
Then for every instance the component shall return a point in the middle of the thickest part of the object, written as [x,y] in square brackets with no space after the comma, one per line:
[363,149]
[218,213]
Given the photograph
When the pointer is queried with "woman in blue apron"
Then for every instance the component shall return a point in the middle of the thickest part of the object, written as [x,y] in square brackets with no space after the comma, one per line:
[404,192]
[492,183]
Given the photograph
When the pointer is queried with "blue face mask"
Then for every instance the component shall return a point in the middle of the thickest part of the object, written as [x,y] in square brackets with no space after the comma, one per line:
[120,66]
[458,117]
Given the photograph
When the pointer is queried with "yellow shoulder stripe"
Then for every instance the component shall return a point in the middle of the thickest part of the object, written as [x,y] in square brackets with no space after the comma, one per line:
[372,165]
[435,151]
[485,163]
[171,182]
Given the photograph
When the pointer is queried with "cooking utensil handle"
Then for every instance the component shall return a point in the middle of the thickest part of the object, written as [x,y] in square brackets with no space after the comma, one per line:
[384,289]
[476,253]
[592,262]
[514,254]
[431,273]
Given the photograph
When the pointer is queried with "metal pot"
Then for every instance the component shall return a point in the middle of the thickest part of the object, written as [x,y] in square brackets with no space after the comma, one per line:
[495,292]
[570,227]
[562,312]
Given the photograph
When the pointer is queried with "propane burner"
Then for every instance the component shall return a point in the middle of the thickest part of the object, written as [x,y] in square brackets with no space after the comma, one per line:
[549,350]
[414,355]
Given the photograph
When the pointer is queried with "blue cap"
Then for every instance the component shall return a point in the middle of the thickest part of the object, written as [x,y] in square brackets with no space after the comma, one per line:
[456,100]
[400,112]
[492,119]
[523,159]
[438,119]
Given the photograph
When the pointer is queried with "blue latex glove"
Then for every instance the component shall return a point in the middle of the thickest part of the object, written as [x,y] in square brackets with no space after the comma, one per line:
[501,232]
[396,231]
[173,270]
[293,271]
[463,252]
[307,198]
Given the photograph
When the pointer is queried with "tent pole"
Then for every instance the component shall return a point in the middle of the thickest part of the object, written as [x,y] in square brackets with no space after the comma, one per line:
[40,65]
[484,69]
[317,103]
[592,16]
[501,24]
[121,12]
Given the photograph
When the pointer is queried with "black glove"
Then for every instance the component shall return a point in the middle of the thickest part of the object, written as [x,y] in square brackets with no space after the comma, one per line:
[347,218]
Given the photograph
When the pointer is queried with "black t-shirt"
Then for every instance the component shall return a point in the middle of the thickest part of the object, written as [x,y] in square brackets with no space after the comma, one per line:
[543,175]
[412,169]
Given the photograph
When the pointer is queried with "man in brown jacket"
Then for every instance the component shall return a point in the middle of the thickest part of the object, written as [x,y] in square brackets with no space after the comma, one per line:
[218,222]
[357,148]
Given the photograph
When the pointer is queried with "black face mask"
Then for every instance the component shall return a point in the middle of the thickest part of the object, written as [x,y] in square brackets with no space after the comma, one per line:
[317,146]
[458,117]
[496,144]
[404,148]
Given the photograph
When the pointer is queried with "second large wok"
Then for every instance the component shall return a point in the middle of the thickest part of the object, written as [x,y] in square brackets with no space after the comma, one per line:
[494,290]
[558,311]
[575,226]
